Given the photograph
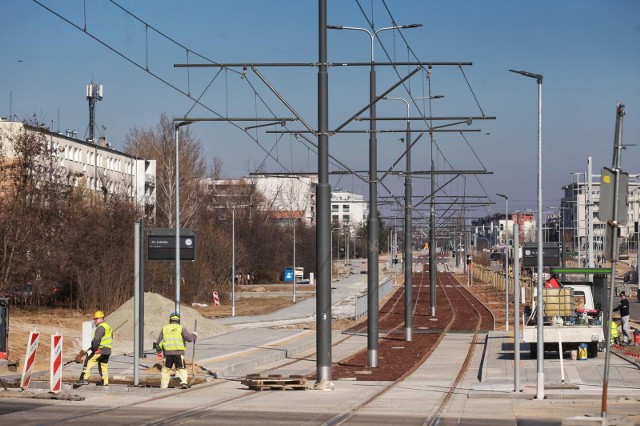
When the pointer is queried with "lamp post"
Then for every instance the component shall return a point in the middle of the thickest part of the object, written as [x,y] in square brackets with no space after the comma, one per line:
[177,125]
[506,260]
[372,222]
[539,308]
[233,258]
[337,249]
[408,194]
[294,257]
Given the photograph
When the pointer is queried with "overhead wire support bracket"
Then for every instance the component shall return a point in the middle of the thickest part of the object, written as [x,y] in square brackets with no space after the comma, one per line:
[383,95]
[289,107]
[386,131]
[465,119]
[276,119]
[315,64]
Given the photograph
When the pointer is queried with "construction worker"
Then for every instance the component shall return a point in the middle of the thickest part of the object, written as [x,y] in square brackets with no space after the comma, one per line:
[171,341]
[99,352]
[614,331]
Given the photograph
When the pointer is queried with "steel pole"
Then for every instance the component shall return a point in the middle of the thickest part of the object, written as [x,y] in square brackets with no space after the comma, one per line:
[294,260]
[177,306]
[540,318]
[432,239]
[408,253]
[506,259]
[540,268]
[233,261]
[516,309]
[506,262]
[373,257]
[323,209]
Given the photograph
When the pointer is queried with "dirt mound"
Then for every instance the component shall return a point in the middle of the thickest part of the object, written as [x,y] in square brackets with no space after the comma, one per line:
[156,315]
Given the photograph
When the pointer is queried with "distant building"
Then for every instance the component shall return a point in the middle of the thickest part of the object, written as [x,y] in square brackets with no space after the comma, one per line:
[494,232]
[348,210]
[97,167]
[574,216]
[290,196]
[286,196]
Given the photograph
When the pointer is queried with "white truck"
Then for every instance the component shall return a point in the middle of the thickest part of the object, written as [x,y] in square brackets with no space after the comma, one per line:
[572,315]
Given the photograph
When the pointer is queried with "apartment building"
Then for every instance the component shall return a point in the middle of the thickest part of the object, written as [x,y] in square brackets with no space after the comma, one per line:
[97,167]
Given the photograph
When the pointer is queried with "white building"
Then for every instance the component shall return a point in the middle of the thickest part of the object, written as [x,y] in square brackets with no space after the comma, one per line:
[289,196]
[98,167]
[294,196]
[348,210]
[575,213]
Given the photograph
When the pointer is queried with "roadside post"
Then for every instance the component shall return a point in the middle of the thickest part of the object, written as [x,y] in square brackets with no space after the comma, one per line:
[613,211]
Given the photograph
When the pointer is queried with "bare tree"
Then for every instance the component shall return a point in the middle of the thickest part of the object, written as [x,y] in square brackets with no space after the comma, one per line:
[159,144]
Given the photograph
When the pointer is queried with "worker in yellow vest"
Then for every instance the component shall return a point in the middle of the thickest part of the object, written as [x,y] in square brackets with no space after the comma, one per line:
[171,341]
[99,352]
[614,331]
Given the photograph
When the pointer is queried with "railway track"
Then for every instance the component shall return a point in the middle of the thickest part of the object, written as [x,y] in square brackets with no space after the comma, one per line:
[467,314]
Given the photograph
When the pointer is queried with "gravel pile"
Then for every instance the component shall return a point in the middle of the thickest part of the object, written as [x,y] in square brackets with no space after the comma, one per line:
[156,315]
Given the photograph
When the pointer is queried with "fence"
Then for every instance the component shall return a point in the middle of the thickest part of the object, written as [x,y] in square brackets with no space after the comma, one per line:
[362,301]
[496,279]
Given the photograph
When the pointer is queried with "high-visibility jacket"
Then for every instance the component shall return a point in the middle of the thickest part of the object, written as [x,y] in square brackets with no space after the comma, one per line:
[614,330]
[107,339]
[172,338]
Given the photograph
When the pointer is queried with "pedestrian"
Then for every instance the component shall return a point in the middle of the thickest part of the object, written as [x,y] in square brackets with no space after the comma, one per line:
[623,307]
[99,352]
[171,341]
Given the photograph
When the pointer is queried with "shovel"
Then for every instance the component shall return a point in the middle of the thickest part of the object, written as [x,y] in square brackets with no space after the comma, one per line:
[193,356]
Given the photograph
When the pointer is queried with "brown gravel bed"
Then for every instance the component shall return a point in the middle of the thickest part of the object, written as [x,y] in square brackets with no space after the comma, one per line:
[396,357]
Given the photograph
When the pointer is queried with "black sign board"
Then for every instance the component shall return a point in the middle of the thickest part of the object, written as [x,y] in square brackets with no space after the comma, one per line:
[161,244]
[550,255]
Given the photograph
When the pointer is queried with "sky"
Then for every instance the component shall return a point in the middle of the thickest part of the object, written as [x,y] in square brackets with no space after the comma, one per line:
[586,50]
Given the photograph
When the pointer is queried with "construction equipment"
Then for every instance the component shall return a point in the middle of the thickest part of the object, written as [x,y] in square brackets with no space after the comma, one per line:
[79,358]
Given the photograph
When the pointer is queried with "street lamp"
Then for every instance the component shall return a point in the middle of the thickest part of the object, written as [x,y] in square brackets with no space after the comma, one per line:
[233,257]
[506,260]
[177,125]
[233,208]
[540,307]
[293,220]
[337,249]
[408,259]
[372,222]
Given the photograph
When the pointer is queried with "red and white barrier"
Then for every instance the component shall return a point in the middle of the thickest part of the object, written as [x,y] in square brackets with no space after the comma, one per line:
[30,358]
[216,299]
[55,383]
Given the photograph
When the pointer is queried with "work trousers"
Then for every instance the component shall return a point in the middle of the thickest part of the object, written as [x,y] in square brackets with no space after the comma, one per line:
[181,372]
[102,360]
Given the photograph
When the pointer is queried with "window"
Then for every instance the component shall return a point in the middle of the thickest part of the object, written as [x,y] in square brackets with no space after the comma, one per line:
[345,208]
[334,207]
[345,219]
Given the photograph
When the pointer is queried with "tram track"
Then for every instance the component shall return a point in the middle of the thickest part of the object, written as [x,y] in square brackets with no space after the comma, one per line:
[446,287]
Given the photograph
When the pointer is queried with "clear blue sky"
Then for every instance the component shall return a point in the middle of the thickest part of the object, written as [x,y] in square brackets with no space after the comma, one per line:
[588,52]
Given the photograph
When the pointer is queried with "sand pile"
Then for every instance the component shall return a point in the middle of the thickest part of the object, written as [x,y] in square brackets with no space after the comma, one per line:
[156,315]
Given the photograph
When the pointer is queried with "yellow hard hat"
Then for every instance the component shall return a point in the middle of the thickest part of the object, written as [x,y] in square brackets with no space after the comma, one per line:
[98,314]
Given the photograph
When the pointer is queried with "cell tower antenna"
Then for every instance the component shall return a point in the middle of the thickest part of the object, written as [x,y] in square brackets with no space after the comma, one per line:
[94,94]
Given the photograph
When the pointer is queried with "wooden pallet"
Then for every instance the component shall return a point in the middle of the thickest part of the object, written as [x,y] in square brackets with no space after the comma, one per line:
[274,382]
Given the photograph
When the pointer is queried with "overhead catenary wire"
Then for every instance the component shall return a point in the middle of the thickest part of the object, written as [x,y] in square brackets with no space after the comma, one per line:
[144,67]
